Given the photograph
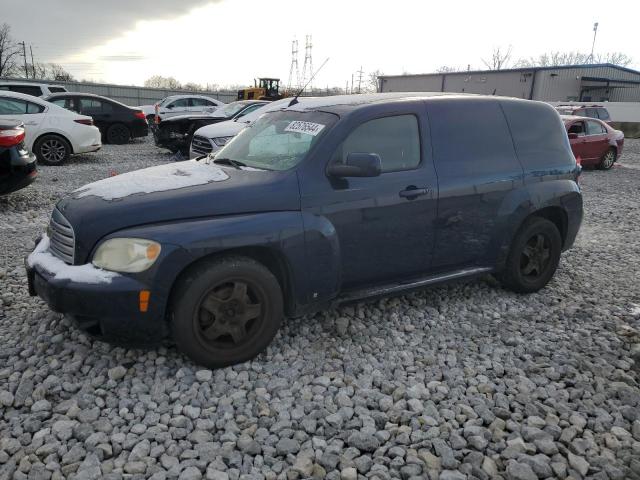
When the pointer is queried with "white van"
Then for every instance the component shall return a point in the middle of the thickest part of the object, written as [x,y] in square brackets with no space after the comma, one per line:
[35,89]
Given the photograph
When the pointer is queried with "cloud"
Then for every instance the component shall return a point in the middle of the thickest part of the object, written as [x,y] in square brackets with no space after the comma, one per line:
[121,58]
[66,27]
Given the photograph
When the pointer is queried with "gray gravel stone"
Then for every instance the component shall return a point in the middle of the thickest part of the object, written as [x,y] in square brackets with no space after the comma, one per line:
[463,380]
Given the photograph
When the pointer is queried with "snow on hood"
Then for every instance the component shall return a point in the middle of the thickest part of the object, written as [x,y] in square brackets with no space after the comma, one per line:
[42,258]
[171,176]
[230,128]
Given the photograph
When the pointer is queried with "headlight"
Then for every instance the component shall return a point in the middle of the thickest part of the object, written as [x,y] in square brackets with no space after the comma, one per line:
[221,141]
[127,255]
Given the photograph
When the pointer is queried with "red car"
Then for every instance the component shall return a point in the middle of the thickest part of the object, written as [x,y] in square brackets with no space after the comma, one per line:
[594,143]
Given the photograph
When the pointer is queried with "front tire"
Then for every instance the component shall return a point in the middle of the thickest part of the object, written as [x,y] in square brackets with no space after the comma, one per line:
[52,150]
[226,311]
[533,257]
[608,160]
[118,134]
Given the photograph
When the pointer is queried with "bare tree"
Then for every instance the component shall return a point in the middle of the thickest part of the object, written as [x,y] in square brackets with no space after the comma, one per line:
[554,59]
[194,87]
[499,59]
[158,81]
[51,71]
[447,69]
[9,52]
[373,83]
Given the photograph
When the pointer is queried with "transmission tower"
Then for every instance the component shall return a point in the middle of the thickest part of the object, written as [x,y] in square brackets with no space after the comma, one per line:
[360,73]
[294,72]
[307,69]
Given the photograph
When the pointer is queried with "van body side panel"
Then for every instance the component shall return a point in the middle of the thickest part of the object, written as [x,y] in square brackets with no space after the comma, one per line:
[478,172]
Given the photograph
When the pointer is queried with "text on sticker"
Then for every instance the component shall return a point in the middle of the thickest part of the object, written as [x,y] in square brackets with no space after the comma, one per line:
[309,128]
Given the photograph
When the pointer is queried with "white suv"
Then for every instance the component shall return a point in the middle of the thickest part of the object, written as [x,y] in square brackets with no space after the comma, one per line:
[35,89]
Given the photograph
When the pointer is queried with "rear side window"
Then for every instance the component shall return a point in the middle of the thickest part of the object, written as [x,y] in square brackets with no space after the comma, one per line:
[539,135]
[57,89]
[14,106]
[201,102]
[182,102]
[577,128]
[26,89]
[395,139]
[603,114]
[592,113]
[471,138]
[595,128]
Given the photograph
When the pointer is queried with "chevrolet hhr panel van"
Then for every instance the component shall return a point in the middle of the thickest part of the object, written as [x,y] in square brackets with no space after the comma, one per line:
[322,202]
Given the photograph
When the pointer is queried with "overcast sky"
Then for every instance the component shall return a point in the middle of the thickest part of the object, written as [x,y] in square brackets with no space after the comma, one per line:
[228,42]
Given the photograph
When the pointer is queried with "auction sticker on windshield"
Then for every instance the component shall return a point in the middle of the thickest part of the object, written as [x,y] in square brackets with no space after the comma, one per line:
[309,128]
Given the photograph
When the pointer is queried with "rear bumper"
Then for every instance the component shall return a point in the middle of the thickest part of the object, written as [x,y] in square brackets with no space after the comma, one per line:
[88,140]
[575,213]
[108,310]
[18,173]
[139,129]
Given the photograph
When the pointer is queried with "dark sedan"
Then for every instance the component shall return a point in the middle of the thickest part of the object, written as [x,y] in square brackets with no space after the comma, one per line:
[593,142]
[17,165]
[118,123]
[175,133]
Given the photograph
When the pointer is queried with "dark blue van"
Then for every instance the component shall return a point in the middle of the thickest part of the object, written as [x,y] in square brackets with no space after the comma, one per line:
[326,201]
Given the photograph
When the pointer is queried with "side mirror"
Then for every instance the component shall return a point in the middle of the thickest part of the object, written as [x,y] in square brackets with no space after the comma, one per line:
[358,165]
[573,136]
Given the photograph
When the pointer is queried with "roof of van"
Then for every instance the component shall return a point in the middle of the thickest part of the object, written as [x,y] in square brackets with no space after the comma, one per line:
[31,84]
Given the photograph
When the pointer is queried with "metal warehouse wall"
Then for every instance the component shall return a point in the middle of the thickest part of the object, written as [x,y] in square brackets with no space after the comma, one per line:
[129,95]
[564,84]
[560,84]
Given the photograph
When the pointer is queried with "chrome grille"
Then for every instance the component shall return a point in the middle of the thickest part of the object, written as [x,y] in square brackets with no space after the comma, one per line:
[62,241]
[201,145]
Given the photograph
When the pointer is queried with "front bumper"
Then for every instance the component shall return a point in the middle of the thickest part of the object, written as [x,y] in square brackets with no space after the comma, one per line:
[108,310]
[171,140]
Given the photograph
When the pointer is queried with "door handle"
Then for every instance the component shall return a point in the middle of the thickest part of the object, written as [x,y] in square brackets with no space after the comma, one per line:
[414,192]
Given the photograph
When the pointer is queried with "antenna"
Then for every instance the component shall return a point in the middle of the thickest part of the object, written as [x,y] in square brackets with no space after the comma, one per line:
[295,99]
[294,78]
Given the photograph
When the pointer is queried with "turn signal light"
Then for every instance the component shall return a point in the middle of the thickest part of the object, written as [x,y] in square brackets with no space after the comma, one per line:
[11,137]
[144,300]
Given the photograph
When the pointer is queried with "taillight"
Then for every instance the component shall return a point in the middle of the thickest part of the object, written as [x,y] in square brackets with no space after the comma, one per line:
[85,121]
[139,115]
[11,137]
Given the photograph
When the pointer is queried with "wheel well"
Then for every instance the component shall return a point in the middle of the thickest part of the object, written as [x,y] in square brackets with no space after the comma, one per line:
[555,215]
[273,260]
[54,134]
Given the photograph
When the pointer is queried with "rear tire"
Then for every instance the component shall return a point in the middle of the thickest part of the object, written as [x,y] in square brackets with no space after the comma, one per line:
[533,257]
[608,159]
[52,150]
[226,311]
[118,134]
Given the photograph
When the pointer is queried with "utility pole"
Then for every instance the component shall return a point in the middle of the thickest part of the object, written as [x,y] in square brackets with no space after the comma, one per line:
[593,45]
[360,72]
[24,55]
[33,65]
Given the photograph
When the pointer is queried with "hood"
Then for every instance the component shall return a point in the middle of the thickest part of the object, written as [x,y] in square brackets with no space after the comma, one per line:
[173,192]
[194,116]
[229,128]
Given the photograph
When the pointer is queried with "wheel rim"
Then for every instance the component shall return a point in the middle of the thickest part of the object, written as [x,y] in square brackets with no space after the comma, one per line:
[609,158]
[53,151]
[119,134]
[229,314]
[536,256]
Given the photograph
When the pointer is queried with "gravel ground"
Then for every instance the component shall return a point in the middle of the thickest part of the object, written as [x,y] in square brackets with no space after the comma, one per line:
[461,381]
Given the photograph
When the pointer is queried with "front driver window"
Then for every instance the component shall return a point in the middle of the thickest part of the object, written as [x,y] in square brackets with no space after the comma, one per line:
[395,139]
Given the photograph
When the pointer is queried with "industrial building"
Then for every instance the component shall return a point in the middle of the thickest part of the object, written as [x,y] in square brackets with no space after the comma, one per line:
[584,83]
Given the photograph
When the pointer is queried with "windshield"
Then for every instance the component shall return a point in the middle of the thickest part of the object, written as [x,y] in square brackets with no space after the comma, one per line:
[278,140]
[230,109]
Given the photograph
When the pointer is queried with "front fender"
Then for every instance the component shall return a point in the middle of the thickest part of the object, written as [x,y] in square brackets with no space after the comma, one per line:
[192,240]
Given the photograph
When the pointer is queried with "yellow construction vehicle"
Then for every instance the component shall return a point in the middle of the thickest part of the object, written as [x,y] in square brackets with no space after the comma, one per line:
[263,89]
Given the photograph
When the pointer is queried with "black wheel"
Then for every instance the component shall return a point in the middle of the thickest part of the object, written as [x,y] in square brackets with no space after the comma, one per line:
[226,311]
[533,257]
[52,150]
[608,159]
[118,134]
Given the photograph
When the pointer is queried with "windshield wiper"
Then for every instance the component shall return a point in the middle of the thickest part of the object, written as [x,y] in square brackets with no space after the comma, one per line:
[228,161]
